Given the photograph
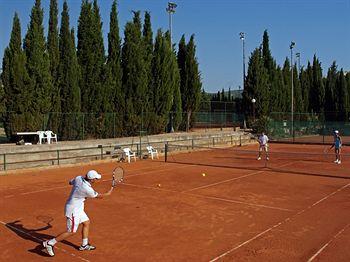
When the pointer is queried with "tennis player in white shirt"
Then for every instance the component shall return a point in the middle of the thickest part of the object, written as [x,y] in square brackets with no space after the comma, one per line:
[74,210]
[263,145]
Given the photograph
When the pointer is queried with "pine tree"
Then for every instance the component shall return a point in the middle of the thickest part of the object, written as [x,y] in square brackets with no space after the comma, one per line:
[114,64]
[16,84]
[306,79]
[38,67]
[68,80]
[53,51]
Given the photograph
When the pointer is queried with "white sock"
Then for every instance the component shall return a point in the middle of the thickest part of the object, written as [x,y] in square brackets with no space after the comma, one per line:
[52,242]
[85,241]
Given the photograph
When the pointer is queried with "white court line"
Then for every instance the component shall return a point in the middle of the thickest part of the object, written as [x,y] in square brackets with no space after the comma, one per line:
[239,202]
[324,246]
[41,240]
[278,224]
[208,197]
[236,178]
[67,186]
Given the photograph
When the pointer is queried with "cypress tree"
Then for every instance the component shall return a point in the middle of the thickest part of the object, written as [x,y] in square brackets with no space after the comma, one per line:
[114,64]
[306,79]
[181,59]
[342,96]
[147,37]
[193,85]
[317,92]
[16,83]
[91,57]
[330,92]
[287,84]
[68,80]
[256,86]
[162,82]
[38,67]
[53,51]
[134,75]
[298,97]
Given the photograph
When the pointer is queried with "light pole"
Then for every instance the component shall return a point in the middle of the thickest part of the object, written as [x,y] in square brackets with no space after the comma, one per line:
[297,55]
[242,37]
[171,9]
[292,44]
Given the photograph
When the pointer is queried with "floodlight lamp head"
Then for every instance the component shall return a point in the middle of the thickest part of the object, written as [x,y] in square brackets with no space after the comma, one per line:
[241,35]
[292,44]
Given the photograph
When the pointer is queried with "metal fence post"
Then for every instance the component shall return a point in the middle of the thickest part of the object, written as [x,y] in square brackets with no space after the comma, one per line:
[4,161]
[166,151]
[58,157]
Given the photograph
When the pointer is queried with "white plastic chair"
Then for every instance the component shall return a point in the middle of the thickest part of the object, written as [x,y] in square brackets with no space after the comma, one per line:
[42,136]
[50,136]
[129,154]
[152,151]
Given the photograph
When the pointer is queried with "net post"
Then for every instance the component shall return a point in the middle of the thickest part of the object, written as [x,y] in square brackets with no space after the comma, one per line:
[192,143]
[58,157]
[240,140]
[166,148]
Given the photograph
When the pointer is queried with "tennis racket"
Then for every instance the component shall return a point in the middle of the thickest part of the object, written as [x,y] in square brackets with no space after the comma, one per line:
[117,176]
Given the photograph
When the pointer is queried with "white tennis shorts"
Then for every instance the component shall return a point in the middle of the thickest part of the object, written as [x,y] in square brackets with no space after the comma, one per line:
[75,220]
[264,148]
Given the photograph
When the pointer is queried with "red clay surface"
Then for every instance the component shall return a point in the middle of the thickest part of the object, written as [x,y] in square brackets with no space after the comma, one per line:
[241,210]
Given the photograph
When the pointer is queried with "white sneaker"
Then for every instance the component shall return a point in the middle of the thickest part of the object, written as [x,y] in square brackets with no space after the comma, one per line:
[336,161]
[339,162]
[49,248]
[267,158]
[87,247]
[259,158]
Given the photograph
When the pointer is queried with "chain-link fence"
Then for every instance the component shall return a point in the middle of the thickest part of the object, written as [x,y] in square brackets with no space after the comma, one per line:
[306,128]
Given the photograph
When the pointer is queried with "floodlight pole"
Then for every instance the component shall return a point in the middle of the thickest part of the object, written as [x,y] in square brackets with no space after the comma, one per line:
[171,10]
[292,44]
[242,37]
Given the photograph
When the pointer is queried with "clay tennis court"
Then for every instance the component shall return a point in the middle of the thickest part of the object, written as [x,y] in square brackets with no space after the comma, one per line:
[242,209]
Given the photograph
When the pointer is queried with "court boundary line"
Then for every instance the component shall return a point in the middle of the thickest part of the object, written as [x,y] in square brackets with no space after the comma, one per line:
[66,186]
[41,240]
[279,223]
[327,244]
[236,178]
[209,197]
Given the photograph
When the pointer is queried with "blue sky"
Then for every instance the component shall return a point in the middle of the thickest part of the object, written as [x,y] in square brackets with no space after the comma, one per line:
[320,27]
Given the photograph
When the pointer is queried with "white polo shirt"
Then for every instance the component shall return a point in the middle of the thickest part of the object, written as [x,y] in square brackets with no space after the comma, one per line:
[263,139]
[81,190]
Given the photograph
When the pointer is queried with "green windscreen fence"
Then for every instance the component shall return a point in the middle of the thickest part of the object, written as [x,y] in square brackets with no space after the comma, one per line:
[305,128]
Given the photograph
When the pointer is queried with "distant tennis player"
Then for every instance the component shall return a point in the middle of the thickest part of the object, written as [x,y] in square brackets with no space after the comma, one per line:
[263,145]
[337,147]
[74,210]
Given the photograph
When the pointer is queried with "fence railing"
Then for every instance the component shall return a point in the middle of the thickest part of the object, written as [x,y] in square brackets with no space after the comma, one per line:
[41,158]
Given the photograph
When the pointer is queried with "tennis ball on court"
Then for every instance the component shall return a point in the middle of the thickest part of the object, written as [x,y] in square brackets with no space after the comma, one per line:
[159,185]
[203,174]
